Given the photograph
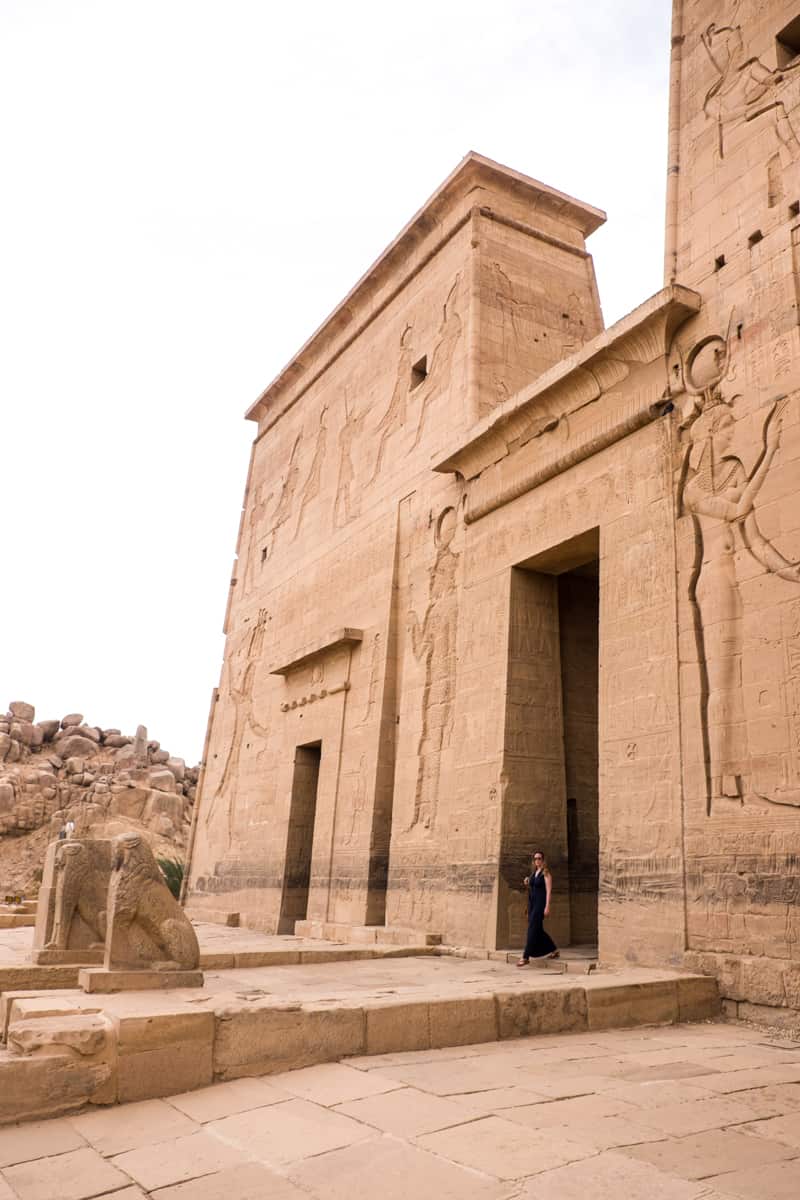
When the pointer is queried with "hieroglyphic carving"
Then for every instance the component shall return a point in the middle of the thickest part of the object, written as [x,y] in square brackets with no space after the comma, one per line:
[439,374]
[313,483]
[283,509]
[395,416]
[719,495]
[745,88]
[374,678]
[353,797]
[346,505]
[433,640]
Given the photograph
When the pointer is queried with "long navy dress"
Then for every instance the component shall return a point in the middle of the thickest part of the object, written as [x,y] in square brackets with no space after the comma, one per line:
[539,942]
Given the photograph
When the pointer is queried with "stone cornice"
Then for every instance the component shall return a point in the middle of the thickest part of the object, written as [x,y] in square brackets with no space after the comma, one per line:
[602,364]
[340,637]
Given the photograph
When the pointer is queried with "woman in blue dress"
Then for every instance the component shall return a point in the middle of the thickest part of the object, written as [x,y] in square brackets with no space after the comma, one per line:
[539,944]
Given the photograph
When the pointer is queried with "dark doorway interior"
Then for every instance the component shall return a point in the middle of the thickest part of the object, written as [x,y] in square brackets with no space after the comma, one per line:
[550,759]
[300,840]
[578,623]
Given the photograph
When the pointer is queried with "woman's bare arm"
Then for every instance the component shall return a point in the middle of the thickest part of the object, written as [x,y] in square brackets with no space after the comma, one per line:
[548,883]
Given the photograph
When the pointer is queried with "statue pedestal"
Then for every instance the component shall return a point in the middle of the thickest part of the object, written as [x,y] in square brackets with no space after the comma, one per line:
[131,979]
[80,957]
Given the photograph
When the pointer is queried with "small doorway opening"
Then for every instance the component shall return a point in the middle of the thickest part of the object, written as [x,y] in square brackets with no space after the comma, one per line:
[300,838]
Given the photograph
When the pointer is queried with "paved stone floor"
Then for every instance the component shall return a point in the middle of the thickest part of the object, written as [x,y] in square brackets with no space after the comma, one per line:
[693,1112]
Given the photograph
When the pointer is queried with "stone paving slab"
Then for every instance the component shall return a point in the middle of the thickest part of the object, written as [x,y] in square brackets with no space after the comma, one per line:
[470,1126]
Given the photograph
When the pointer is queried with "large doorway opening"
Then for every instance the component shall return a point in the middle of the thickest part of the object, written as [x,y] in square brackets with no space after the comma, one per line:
[300,838]
[551,792]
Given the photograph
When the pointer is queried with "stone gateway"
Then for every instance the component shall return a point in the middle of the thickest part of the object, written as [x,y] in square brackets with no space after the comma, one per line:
[507,578]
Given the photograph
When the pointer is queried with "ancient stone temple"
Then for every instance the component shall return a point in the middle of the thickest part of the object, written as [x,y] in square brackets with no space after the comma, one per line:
[508,579]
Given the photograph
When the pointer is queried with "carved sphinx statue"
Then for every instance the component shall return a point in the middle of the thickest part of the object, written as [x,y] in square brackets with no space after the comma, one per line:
[147,928]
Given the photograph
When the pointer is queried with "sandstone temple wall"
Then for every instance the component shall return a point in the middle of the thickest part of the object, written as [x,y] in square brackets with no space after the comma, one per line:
[507,578]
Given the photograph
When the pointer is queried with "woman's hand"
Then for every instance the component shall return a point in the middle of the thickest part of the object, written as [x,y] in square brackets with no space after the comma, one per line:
[547,910]
[526,880]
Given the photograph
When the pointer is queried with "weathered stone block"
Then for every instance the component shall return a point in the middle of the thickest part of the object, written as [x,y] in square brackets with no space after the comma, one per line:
[391,1028]
[633,1004]
[462,1021]
[529,1013]
[265,1040]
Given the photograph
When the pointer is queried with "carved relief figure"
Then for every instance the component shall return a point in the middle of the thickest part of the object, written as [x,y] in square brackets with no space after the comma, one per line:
[146,925]
[438,379]
[258,511]
[720,497]
[283,509]
[241,694]
[395,416]
[433,640]
[346,505]
[313,483]
[745,88]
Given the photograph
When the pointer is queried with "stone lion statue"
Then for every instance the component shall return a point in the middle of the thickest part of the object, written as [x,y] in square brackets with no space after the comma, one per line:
[80,888]
[147,926]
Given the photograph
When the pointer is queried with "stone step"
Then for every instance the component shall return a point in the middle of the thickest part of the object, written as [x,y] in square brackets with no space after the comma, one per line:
[59,1058]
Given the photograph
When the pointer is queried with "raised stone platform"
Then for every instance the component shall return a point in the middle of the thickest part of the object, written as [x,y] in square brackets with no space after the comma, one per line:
[67,1049]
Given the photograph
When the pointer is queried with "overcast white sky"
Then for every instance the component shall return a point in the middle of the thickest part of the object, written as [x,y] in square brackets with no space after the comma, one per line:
[189,187]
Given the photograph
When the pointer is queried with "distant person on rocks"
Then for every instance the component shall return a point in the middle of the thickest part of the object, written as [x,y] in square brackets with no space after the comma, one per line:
[62,833]
[539,883]
[69,828]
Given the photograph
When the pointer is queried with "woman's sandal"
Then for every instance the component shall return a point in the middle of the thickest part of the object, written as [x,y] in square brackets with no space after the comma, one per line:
[554,954]
[523,962]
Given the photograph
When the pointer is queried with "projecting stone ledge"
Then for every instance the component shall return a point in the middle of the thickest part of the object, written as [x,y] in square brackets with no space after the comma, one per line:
[98,979]
[335,640]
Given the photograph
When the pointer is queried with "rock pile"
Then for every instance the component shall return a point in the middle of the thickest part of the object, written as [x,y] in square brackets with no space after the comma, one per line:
[53,772]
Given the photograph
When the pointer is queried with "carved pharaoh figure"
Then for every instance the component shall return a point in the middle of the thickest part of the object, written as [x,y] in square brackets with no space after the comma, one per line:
[283,509]
[433,640]
[395,416]
[438,379]
[241,694]
[745,88]
[313,483]
[346,504]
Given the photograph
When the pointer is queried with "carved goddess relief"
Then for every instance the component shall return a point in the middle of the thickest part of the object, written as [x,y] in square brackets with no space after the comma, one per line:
[720,496]
[745,88]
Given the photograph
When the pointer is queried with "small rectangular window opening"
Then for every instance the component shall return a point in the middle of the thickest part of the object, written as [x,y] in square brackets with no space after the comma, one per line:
[419,371]
[794,209]
[719,263]
[787,43]
[755,237]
